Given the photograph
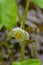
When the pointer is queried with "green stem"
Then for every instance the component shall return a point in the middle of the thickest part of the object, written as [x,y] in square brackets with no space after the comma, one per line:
[34,45]
[22,51]
[25,13]
[18,14]
[22,26]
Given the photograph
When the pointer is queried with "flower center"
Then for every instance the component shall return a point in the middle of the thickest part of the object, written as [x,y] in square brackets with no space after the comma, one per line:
[18,35]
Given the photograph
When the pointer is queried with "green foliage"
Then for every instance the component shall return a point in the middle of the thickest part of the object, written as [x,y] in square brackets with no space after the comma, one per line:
[38,3]
[28,62]
[16,63]
[8,12]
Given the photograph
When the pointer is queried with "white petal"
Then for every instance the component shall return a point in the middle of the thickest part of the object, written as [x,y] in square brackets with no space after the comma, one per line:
[17,29]
[25,35]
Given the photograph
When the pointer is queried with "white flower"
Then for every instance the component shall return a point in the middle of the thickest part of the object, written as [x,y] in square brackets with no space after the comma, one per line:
[20,34]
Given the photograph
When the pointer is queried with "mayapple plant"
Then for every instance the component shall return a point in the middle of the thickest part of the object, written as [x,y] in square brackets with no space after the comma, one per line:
[21,35]
[8,13]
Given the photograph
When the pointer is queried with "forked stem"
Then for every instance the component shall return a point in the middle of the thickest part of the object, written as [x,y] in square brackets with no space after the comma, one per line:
[25,13]
[22,26]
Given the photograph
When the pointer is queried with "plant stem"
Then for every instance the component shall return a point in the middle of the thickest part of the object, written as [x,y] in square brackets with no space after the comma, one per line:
[22,51]
[34,45]
[25,13]
[18,14]
[22,26]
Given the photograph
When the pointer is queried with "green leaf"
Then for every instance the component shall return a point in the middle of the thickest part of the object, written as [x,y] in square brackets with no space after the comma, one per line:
[31,62]
[38,3]
[28,62]
[8,14]
[16,63]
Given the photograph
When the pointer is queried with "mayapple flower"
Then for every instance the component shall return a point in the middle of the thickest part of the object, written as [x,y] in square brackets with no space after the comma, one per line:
[20,34]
